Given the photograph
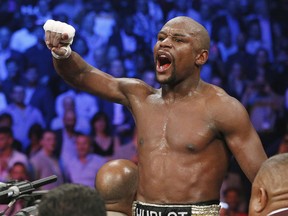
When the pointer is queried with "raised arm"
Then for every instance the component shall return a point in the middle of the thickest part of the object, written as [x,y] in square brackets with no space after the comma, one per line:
[233,122]
[78,73]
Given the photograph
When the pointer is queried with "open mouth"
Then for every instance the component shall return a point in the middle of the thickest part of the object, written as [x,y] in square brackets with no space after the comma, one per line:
[163,62]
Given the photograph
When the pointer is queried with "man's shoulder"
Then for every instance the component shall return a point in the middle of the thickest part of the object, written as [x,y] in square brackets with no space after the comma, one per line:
[218,101]
[217,94]
[38,157]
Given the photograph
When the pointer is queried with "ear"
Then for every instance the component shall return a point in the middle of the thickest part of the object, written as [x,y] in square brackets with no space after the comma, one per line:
[201,58]
[260,200]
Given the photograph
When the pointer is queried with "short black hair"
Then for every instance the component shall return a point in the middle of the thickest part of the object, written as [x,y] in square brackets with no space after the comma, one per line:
[72,200]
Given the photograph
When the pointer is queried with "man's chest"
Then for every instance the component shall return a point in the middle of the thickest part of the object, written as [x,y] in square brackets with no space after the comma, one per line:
[184,125]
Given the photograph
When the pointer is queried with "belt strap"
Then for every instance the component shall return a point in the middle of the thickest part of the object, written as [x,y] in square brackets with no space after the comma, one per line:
[147,209]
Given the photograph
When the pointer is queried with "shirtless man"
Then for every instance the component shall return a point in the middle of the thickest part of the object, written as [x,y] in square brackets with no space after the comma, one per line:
[185,129]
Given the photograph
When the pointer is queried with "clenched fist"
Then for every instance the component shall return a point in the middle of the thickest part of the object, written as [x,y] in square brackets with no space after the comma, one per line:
[58,38]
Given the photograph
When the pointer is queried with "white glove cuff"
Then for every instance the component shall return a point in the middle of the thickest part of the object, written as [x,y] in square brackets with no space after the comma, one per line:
[65,56]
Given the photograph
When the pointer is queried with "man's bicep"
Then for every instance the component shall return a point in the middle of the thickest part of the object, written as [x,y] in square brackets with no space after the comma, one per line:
[245,144]
[117,90]
[104,86]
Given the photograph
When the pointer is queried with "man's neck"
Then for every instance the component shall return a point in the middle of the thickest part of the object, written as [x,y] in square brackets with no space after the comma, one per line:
[175,93]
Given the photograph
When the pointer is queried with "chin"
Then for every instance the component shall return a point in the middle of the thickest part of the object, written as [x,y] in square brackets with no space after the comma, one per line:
[166,80]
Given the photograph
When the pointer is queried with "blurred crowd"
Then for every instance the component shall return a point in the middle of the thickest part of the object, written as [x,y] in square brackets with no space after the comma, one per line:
[52,128]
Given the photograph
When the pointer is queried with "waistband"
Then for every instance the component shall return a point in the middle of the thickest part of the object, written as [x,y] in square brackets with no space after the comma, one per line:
[209,208]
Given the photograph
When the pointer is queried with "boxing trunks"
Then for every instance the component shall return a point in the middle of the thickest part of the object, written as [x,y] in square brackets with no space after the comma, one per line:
[210,208]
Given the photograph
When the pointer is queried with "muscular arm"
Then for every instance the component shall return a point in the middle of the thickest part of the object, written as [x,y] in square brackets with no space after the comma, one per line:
[79,74]
[232,120]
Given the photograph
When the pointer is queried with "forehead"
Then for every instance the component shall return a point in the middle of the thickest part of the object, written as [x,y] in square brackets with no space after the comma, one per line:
[82,138]
[48,134]
[181,26]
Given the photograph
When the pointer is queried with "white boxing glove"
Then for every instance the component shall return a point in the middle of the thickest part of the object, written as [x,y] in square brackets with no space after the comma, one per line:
[61,27]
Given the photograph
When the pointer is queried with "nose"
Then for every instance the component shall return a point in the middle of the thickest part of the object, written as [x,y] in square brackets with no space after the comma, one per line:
[166,43]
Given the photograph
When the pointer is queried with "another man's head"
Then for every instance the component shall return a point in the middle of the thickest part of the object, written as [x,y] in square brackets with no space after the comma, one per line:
[18,95]
[181,49]
[83,145]
[72,200]
[69,120]
[48,141]
[270,187]
[18,172]
[117,182]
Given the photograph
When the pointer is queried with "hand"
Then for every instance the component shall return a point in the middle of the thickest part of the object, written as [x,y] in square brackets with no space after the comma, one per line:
[58,37]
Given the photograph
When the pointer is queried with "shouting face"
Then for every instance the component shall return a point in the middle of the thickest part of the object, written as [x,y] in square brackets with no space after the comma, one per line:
[182,47]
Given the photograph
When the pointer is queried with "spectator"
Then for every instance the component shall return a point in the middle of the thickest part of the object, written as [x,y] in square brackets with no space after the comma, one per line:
[241,56]
[89,36]
[225,45]
[23,115]
[24,38]
[7,53]
[254,40]
[125,38]
[228,14]
[85,106]
[8,155]
[72,200]
[82,123]
[38,56]
[105,21]
[104,143]
[35,133]
[14,77]
[233,198]
[66,138]
[261,14]
[18,172]
[83,168]
[262,105]
[7,121]
[237,81]
[44,162]
[35,91]
[117,182]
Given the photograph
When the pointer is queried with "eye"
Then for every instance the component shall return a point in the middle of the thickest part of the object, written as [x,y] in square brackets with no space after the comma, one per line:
[177,40]
[160,38]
